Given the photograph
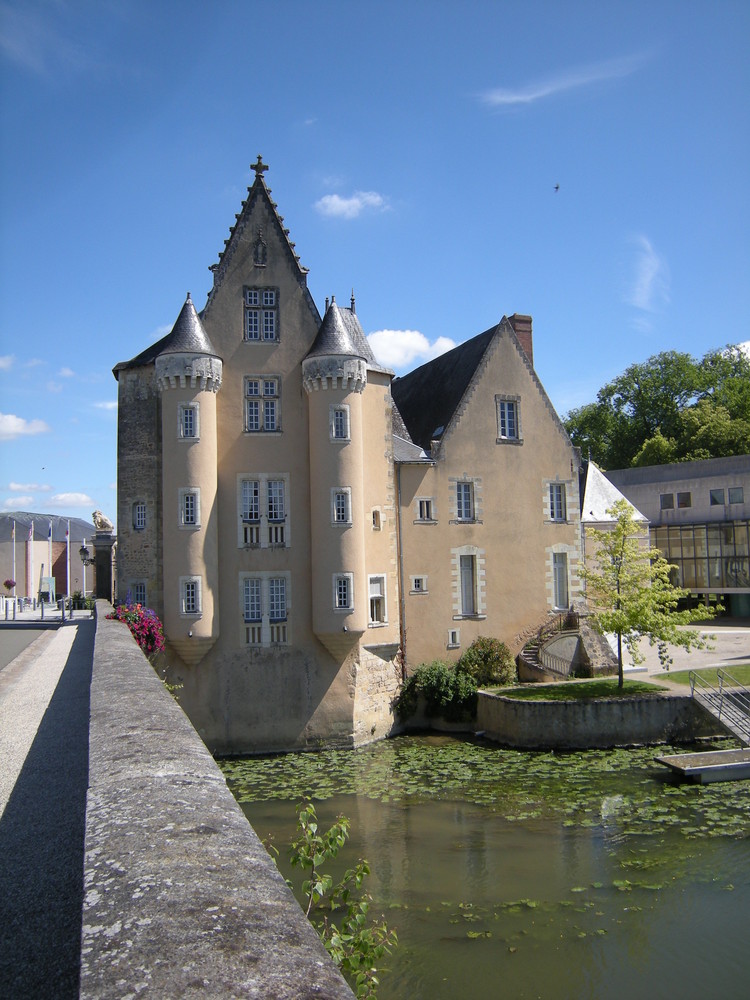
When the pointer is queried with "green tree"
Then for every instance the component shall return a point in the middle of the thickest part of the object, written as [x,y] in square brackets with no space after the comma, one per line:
[630,594]
[648,414]
[339,910]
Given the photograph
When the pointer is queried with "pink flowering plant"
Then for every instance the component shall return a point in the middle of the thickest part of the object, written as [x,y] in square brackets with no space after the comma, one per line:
[9,584]
[143,623]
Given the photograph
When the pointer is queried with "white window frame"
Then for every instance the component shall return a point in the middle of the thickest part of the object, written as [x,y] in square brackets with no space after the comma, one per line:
[266,403]
[465,493]
[272,527]
[418,585]
[261,315]
[377,586]
[454,638]
[343,583]
[185,493]
[508,413]
[270,604]
[341,506]
[561,581]
[184,409]
[139,515]
[190,587]
[339,427]
[558,503]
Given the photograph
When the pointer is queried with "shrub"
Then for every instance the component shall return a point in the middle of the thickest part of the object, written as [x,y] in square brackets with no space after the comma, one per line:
[488,661]
[447,692]
[143,623]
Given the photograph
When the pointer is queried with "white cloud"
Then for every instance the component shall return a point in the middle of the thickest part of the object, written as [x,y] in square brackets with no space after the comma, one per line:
[26,487]
[572,79]
[6,362]
[54,387]
[17,503]
[333,206]
[70,500]
[12,427]
[398,349]
[745,346]
[649,287]
[66,373]
[106,406]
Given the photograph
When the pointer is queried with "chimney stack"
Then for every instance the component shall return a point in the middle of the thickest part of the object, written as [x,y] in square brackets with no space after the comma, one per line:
[522,328]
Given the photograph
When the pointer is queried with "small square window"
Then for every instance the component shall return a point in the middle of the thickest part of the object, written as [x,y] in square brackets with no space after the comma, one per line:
[736,494]
[684,500]
[454,638]
[419,584]
[717,498]
[666,501]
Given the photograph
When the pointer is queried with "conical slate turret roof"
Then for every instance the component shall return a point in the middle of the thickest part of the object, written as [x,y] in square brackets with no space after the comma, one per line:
[188,335]
[340,333]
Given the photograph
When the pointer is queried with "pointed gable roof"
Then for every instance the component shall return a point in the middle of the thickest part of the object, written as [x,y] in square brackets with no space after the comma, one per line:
[599,496]
[257,192]
[428,397]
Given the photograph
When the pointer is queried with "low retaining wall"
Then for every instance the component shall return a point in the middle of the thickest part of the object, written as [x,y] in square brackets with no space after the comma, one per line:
[181,899]
[595,723]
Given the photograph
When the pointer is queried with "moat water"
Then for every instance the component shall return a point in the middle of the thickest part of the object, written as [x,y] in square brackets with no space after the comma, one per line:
[541,875]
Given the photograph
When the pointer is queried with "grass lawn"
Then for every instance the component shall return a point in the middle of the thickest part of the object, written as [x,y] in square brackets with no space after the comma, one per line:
[740,672]
[604,687]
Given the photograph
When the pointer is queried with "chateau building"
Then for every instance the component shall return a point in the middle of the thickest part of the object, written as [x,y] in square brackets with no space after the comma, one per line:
[308,527]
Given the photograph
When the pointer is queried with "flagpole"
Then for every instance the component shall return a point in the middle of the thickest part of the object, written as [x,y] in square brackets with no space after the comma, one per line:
[13,533]
[84,572]
[49,551]
[67,560]
[30,581]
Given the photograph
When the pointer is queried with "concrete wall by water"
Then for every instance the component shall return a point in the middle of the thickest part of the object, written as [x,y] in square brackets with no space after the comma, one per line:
[590,724]
[181,899]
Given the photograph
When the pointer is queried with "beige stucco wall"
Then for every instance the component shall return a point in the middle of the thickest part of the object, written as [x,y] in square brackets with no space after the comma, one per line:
[512,537]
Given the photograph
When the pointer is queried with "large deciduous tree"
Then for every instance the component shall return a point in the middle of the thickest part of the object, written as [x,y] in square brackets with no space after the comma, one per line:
[670,408]
[630,595]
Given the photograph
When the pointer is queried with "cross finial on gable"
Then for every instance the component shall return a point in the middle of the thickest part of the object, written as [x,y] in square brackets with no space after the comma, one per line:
[260,167]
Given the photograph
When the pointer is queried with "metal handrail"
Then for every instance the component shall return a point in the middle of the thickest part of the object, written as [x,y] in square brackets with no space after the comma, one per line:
[729,702]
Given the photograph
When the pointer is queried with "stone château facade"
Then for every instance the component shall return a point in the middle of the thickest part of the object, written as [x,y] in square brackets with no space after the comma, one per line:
[308,527]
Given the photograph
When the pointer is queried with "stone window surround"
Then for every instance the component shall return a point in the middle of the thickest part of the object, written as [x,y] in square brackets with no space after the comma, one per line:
[195,436]
[505,397]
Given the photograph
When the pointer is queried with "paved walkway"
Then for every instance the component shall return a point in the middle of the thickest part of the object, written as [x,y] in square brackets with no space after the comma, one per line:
[729,646]
[44,733]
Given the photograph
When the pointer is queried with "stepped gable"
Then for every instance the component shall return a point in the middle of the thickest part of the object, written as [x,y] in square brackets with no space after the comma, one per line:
[258,191]
[428,397]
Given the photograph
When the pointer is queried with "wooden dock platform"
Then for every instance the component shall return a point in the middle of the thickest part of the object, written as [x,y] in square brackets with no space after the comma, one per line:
[714,765]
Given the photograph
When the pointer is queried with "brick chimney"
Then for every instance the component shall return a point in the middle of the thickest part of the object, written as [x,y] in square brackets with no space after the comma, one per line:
[522,327]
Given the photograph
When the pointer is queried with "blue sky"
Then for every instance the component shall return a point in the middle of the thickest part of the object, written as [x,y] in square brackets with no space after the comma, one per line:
[414,150]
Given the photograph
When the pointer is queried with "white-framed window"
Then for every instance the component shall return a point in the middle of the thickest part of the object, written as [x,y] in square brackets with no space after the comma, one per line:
[378,611]
[189,428]
[418,585]
[265,608]
[454,638]
[261,314]
[341,505]
[425,509]
[339,421]
[343,591]
[139,515]
[558,507]
[190,507]
[262,404]
[508,418]
[139,592]
[465,501]
[190,595]
[468,574]
[263,510]
[560,579]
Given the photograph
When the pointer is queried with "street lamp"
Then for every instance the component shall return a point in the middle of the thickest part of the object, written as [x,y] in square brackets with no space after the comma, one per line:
[86,559]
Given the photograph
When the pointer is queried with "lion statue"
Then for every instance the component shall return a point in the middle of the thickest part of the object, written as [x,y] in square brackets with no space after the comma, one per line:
[102,522]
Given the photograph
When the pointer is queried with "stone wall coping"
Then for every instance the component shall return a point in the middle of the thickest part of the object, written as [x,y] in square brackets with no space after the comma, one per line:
[181,898]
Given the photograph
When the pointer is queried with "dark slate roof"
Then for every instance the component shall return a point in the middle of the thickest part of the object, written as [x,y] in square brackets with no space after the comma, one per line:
[79,529]
[340,333]
[428,397]
[187,336]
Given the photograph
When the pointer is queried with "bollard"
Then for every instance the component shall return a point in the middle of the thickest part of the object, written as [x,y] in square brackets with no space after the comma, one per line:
[41,605]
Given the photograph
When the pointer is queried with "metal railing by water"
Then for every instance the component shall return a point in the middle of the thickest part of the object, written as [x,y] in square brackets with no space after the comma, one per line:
[728,702]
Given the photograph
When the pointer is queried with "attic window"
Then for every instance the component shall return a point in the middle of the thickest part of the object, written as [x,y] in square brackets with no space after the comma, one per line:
[508,419]
[261,315]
